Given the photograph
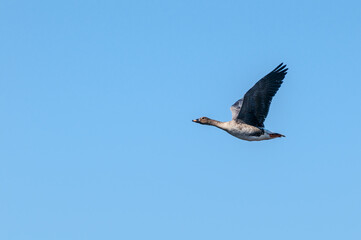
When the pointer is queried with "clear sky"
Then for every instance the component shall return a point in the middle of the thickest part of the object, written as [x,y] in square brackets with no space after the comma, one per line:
[97,98]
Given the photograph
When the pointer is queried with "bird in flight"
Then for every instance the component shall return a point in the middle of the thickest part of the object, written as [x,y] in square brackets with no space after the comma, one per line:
[249,113]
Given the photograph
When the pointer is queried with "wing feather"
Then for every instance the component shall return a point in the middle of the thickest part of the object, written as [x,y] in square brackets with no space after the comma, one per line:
[236,107]
[257,100]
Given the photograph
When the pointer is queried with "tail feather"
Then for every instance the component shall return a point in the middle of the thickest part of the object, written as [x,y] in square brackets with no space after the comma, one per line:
[276,135]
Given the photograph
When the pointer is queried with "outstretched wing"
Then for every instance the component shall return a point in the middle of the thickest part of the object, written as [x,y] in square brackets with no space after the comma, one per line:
[235,108]
[257,100]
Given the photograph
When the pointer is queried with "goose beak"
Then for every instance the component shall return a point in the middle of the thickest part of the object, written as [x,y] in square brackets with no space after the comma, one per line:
[195,120]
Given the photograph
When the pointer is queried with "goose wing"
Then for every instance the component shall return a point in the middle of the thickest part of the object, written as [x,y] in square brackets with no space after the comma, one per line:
[235,108]
[254,106]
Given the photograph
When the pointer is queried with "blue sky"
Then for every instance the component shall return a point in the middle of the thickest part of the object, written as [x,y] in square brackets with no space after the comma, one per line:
[97,98]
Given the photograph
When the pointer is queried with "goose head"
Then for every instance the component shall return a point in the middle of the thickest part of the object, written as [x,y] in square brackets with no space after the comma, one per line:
[202,120]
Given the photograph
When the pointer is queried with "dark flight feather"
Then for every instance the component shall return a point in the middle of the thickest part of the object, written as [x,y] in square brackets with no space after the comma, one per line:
[257,100]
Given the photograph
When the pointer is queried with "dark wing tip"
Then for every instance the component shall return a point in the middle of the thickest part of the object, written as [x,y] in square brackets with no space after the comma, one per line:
[280,68]
[284,71]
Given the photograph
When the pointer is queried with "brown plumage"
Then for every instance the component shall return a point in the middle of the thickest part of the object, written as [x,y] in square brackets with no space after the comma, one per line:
[250,112]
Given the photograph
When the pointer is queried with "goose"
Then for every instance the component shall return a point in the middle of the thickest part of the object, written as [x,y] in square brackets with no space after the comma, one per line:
[249,112]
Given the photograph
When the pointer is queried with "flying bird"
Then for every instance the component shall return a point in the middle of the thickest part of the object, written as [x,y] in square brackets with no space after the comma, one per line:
[249,113]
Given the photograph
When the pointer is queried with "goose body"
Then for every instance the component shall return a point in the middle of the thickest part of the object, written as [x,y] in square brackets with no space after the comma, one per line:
[249,113]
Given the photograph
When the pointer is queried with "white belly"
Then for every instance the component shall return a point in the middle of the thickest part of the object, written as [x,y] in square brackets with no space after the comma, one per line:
[246,135]
[244,131]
